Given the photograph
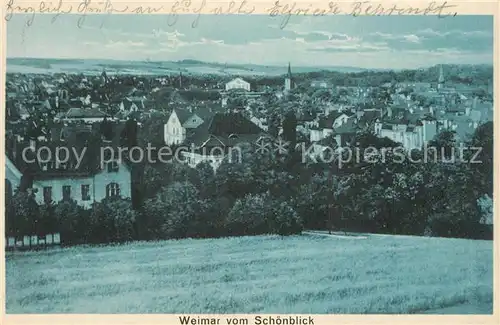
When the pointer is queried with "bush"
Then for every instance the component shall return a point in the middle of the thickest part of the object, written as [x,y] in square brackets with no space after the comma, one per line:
[286,221]
[249,215]
[22,214]
[112,220]
[175,212]
[70,218]
[485,204]
[260,213]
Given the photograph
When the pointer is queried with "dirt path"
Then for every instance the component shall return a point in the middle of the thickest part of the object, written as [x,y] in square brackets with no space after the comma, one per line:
[462,309]
[334,234]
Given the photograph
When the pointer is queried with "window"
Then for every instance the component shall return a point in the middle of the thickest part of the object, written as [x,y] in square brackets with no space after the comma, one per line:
[112,189]
[47,194]
[61,165]
[112,166]
[66,192]
[85,192]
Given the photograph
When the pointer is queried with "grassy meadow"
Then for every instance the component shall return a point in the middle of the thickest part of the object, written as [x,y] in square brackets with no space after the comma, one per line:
[264,274]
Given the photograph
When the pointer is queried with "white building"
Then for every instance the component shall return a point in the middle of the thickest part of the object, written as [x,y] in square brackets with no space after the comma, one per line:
[86,115]
[85,188]
[177,126]
[410,136]
[238,83]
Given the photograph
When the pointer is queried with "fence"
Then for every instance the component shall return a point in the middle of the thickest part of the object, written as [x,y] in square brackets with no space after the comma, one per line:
[32,242]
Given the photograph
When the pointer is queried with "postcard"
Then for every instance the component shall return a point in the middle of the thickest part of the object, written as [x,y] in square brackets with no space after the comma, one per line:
[266,163]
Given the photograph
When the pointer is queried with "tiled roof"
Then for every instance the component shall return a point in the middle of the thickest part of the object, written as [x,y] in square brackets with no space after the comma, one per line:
[225,128]
[349,127]
[182,115]
[84,113]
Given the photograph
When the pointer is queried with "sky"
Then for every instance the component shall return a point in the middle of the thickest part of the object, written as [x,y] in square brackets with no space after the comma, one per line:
[384,42]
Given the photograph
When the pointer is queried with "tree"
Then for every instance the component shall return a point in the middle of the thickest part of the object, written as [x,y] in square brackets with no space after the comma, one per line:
[250,215]
[22,218]
[482,165]
[273,122]
[129,134]
[176,212]
[290,128]
[486,206]
[206,179]
[236,100]
[285,220]
[69,217]
[48,221]
[444,143]
[154,180]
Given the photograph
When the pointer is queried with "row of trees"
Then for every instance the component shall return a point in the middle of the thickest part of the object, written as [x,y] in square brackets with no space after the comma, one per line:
[277,192]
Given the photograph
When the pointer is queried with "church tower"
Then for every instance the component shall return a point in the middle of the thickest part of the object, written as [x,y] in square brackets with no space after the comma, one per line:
[441,78]
[288,79]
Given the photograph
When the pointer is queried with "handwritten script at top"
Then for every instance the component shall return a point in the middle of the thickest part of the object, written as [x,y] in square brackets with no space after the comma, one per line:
[284,10]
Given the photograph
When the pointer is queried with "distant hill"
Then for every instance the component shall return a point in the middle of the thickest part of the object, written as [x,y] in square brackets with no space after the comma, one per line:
[95,66]
[189,66]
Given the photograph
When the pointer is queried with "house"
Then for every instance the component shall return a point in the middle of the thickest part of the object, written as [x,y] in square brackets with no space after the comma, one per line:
[132,104]
[216,138]
[238,83]
[345,132]
[410,133]
[86,115]
[70,165]
[260,122]
[320,84]
[55,181]
[327,124]
[321,150]
[179,124]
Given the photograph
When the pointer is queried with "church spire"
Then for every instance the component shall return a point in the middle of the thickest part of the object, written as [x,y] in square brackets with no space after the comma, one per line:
[288,79]
[104,76]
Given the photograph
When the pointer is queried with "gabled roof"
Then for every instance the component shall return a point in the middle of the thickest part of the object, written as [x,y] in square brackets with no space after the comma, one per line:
[182,115]
[369,116]
[204,114]
[226,129]
[76,137]
[238,79]
[327,122]
[349,127]
[128,101]
[84,113]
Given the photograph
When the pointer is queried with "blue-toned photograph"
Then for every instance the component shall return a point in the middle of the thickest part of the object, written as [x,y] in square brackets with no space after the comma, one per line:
[246,164]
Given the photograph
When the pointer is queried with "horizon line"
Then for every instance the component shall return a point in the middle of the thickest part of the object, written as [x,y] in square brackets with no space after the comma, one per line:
[253,64]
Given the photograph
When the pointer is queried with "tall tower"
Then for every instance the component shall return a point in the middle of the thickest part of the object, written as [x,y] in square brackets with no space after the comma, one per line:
[441,78]
[288,79]
[104,77]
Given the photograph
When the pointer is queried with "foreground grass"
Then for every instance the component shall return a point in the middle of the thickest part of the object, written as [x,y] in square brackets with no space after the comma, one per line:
[267,274]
